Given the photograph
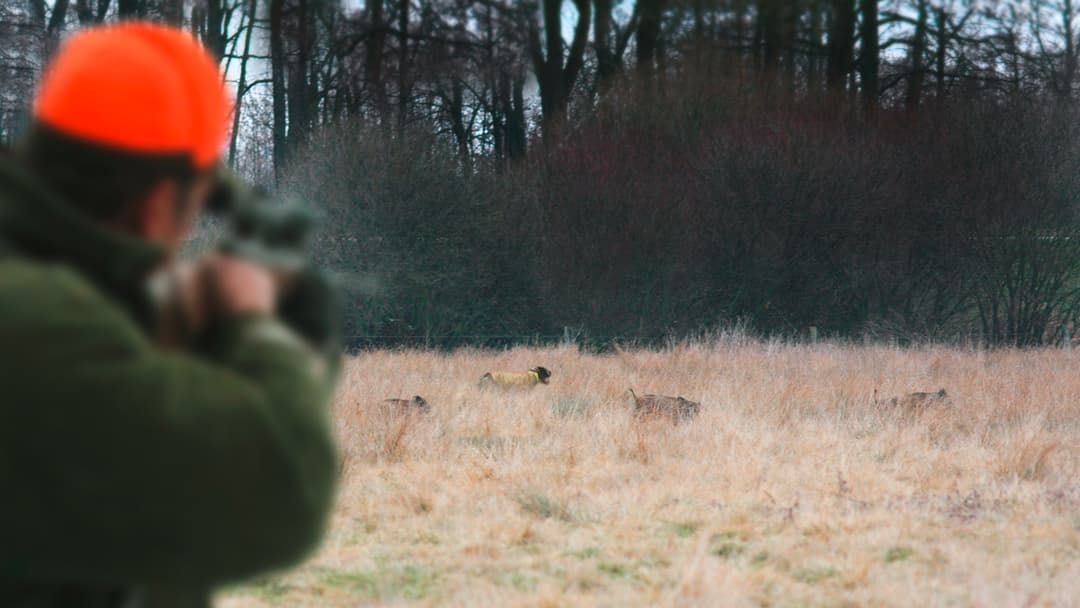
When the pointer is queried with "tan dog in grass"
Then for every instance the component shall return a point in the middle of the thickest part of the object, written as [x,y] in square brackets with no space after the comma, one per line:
[677,409]
[416,404]
[918,402]
[529,379]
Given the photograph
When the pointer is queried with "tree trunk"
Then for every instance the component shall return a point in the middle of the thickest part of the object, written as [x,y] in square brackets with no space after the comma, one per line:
[215,36]
[172,11]
[555,80]
[1068,75]
[739,27]
[403,66]
[242,82]
[942,50]
[37,13]
[496,75]
[457,120]
[59,15]
[918,50]
[869,59]
[549,67]
[841,43]
[56,26]
[648,34]
[512,111]
[575,59]
[84,12]
[699,24]
[813,62]
[130,9]
[605,56]
[373,58]
[299,84]
[769,18]
[277,77]
[787,42]
[1015,62]
[517,133]
[500,104]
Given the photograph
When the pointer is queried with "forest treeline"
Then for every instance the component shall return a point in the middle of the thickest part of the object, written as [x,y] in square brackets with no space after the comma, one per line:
[655,168]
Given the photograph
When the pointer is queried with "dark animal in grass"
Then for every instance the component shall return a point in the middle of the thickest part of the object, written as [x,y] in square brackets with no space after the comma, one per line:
[918,402]
[529,379]
[677,409]
[416,404]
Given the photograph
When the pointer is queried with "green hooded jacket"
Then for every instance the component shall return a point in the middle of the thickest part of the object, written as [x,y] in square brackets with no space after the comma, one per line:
[131,476]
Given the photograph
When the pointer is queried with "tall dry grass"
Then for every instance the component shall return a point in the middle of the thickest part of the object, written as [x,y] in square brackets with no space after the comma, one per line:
[791,488]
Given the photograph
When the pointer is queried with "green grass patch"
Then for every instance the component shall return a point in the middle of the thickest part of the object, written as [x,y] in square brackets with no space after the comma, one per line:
[544,507]
[488,444]
[615,571]
[760,558]
[683,529]
[586,584]
[631,570]
[654,562]
[415,583]
[268,589]
[812,576]
[354,582]
[525,583]
[724,544]
[898,554]
[408,582]
[586,553]
[728,550]
[427,538]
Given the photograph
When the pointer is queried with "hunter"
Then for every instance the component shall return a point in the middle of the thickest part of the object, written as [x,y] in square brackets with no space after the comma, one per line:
[134,475]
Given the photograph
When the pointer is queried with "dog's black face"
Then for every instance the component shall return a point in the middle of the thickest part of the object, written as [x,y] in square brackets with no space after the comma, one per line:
[421,403]
[542,373]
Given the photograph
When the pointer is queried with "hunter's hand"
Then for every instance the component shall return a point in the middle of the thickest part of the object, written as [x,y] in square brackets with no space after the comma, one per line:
[238,287]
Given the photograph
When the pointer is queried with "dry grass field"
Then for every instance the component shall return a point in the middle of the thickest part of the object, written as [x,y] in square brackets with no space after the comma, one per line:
[792,488]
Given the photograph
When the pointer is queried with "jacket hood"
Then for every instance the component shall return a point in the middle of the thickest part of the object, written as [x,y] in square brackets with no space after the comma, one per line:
[37,222]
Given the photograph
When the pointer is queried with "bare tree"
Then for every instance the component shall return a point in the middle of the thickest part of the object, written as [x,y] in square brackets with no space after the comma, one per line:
[841,43]
[917,57]
[242,86]
[648,34]
[277,76]
[870,52]
[556,73]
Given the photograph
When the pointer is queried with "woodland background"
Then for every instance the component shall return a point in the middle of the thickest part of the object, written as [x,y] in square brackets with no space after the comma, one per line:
[493,171]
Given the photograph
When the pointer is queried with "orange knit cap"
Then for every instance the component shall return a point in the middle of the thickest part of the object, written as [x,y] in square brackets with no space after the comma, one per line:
[139,87]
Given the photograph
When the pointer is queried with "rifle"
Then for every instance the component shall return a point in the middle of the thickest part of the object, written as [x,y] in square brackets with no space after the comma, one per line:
[274,234]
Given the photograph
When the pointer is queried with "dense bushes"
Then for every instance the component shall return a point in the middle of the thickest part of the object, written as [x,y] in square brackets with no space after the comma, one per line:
[669,215]
[423,249]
